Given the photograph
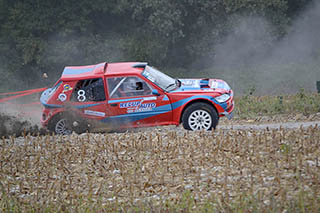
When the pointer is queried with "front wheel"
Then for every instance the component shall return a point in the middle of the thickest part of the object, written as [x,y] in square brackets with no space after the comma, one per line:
[60,125]
[200,116]
[64,124]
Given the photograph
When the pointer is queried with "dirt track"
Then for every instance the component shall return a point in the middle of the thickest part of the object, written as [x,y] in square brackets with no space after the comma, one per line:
[13,122]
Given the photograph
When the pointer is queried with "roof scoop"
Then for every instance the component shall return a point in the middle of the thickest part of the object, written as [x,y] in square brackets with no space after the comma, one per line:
[204,83]
[140,65]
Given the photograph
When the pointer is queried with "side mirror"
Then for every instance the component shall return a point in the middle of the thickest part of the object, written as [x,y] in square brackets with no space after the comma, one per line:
[155,92]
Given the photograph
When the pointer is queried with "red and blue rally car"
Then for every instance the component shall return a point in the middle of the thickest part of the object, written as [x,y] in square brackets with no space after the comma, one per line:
[118,96]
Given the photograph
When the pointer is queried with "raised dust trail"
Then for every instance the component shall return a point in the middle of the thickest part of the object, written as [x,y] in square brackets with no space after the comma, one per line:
[16,119]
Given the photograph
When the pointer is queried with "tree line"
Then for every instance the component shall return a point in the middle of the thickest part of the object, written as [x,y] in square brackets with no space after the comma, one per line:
[43,36]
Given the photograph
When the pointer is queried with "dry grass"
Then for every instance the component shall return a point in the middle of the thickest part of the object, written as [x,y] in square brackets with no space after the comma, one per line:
[265,171]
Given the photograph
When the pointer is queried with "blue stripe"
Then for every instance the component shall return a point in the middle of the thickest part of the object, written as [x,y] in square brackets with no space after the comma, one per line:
[166,108]
[86,106]
[165,98]
[76,71]
[77,107]
[181,89]
[80,70]
[51,106]
[184,101]
[131,117]
[204,82]
[99,65]
[123,100]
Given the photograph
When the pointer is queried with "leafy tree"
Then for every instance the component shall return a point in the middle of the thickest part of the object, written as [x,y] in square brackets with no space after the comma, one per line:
[39,36]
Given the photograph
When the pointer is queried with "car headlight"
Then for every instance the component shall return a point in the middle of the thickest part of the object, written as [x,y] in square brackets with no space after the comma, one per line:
[222,98]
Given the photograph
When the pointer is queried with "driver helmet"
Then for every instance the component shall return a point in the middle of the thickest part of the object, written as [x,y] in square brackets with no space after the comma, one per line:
[130,84]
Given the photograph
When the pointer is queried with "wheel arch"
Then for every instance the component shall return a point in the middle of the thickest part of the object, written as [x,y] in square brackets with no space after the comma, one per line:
[71,116]
[197,101]
[55,116]
[65,111]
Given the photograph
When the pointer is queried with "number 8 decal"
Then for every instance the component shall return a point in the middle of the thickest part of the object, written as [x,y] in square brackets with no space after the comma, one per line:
[81,95]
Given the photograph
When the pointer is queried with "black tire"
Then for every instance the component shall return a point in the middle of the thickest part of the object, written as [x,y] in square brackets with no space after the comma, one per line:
[56,123]
[63,124]
[200,116]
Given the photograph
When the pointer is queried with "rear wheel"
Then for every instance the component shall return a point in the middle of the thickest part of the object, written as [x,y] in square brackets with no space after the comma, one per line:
[200,116]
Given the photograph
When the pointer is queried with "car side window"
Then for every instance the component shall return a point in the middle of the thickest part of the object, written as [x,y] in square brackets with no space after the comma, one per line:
[89,90]
[127,87]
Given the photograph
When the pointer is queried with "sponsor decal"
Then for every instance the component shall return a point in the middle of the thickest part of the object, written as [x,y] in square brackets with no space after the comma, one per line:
[129,104]
[149,98]
[62,97]
[94,113]
[148,105]
[66,88]
[220,85]
[214,84]
[138,106]
[190,82]
[81,95]
[204,83]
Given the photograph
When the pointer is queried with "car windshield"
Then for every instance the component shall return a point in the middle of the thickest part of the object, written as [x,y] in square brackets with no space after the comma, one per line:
[162,80]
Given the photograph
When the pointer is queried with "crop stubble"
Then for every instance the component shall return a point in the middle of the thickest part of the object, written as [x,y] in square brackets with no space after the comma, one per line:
[274,168]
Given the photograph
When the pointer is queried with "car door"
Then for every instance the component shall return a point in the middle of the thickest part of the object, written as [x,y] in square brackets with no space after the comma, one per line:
[133,102]
[89,99]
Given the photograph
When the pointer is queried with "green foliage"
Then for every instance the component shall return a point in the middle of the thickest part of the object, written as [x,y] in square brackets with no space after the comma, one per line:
[249,106]
[44,36]
[247,202]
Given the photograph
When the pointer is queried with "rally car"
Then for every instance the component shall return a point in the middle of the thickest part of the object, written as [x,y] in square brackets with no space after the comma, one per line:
[117,96]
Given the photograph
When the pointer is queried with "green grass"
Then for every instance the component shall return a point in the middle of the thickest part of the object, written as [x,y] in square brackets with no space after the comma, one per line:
[252,106]
[246,202]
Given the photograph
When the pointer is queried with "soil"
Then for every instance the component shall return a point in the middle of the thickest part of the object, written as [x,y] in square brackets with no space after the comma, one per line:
[11,125]
[19,120]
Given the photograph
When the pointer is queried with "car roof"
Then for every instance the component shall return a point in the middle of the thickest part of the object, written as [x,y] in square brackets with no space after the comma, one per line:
[98,70]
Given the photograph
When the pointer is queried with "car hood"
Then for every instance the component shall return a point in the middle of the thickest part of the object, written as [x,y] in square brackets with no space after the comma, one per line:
[46,95]
[216,85]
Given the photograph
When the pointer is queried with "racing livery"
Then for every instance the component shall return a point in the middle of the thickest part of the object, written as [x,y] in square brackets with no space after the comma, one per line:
[129,95]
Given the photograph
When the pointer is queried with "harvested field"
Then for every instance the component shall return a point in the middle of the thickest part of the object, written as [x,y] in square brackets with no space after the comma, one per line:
[227,170]
[242,166]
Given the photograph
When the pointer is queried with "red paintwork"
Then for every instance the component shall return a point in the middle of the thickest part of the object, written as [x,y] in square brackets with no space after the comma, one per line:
[103,70]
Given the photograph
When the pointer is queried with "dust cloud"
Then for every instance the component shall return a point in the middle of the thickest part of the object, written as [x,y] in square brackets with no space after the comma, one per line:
[250,57]
[20,117]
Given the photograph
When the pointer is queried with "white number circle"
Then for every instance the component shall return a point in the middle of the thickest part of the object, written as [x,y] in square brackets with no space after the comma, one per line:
[81,95]
[62,97]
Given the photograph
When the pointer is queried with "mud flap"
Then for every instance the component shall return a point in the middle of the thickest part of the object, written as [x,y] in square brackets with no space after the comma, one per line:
[228,115]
